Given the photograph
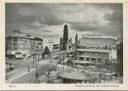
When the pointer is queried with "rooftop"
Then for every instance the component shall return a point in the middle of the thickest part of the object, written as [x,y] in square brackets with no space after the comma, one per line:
[97,42]
[77,75]
[18,33]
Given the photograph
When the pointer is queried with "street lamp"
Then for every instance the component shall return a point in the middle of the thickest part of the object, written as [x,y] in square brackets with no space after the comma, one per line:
[28,68]
[36,75]
[33,59]
[63,62]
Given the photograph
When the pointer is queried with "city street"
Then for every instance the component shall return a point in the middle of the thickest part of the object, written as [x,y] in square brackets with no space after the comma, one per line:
[23,74]
[80,44]
[21,69]
[26,77]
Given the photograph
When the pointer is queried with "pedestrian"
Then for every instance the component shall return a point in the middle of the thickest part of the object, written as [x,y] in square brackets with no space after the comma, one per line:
[28,68]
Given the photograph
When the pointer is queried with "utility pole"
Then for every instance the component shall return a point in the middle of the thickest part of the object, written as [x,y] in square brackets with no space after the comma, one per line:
[63,63]
[33,59]
[36,72]
[36,67]
[12,41]
[28,68]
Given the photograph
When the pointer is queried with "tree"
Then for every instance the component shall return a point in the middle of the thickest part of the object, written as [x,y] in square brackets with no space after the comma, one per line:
[46,50]
[46,70]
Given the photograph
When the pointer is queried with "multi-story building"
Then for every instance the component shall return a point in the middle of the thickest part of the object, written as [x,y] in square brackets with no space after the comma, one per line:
[120,58]
[21,45]
[33,45]
[18,44]
[36,45]
[96,50]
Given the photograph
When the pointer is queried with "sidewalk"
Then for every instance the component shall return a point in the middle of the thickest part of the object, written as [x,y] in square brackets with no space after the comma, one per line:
[20,74]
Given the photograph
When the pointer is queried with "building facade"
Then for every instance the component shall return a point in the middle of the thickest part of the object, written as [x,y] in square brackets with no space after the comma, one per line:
[36,46]
[21,45]
[96,50]
[120,58]
[18,44]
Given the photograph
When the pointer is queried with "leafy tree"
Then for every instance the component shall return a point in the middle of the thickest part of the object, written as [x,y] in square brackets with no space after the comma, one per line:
[46,50]
[46,70]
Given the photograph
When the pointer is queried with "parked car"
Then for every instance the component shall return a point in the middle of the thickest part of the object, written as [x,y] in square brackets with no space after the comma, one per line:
[9,67]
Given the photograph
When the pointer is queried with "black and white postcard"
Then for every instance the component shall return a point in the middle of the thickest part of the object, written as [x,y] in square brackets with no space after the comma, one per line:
[50,46]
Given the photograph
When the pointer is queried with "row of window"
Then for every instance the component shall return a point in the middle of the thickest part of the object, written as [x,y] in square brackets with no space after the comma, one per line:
[93,54]
[100,48]
[92,59]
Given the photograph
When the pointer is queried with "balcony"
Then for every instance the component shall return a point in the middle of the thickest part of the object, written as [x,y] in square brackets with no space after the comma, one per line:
[92,56]
[93,50]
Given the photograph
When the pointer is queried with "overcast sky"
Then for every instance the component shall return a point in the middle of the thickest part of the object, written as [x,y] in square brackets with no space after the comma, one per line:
[47,20]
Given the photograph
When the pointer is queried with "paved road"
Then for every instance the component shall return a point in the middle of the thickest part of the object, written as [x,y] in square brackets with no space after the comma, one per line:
[23,70]
[20,67]
[26,77]
[23,76]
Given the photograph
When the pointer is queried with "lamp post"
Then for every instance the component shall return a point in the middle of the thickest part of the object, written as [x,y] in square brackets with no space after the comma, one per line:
[36,75]
[28,68]
[63,62]
[33,59]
